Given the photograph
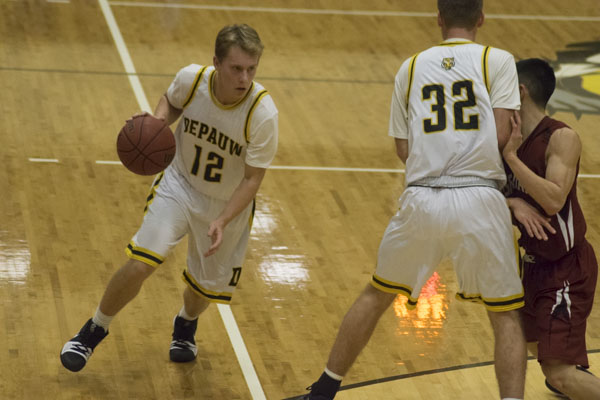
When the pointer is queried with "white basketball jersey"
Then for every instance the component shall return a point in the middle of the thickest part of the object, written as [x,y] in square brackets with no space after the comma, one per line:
[449,112]
[214,142]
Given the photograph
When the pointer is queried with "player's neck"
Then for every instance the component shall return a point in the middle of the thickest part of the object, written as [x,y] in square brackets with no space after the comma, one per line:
[531,117]
[459,33]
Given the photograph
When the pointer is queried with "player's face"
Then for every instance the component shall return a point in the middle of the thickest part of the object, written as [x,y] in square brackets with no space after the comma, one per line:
[235,74]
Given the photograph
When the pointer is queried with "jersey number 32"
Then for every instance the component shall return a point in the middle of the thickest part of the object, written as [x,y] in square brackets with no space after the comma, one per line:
[462,93]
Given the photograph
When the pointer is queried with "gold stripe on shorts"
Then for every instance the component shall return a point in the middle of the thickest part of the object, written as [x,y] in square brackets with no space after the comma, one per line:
[391,287]
[150,197]
[144,255]
[215,297]
[495,304]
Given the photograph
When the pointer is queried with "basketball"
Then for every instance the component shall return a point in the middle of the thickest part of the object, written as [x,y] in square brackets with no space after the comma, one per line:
[146,145]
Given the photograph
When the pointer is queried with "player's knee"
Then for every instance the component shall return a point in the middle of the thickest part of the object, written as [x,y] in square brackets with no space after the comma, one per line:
[557,376]
[138,269]
[378,298]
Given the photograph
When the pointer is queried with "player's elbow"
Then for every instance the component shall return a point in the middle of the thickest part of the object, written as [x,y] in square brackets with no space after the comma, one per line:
[552,207]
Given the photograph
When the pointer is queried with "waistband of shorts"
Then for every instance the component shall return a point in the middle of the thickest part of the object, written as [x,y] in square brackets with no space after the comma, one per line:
[537,259]
[447,181]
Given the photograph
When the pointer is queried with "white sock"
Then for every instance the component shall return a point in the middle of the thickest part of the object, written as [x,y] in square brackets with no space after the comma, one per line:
[333,375]
[185,315]
[101,319]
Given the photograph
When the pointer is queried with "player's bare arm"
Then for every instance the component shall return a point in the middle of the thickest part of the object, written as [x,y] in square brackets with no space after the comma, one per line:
[165,111]
[503,127]
[402,149]
[241,197]
[562,156]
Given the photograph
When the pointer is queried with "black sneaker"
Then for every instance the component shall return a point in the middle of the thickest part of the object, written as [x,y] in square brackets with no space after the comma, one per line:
[77,351]
[314,396]
[183,347]
[558,392]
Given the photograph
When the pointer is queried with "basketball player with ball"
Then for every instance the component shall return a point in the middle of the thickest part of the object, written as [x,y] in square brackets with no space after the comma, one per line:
[225,140]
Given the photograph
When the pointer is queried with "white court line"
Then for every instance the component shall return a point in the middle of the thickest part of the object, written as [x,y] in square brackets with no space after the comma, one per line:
[338,169]
[125,58]
[43,160]
[345,12]
[240,351]
[226,315]
[109,162]
[58,1]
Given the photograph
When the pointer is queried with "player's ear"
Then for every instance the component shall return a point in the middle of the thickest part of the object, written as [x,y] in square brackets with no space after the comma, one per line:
[481,19]
[440,21]
[216,62]
[522,91]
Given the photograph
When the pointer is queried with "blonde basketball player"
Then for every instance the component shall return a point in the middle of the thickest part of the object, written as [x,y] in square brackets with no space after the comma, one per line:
[226,138]
[450,114]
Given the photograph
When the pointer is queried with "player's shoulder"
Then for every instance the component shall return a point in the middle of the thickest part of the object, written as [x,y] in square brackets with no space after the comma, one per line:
[406,65]
[564,135]
[262,100]
[499,55]
[190,72]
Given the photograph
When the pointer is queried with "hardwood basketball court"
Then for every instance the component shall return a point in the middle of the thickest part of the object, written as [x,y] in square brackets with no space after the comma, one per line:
[72,71]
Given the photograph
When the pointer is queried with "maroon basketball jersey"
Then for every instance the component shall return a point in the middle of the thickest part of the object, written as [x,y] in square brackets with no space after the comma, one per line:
[569,222]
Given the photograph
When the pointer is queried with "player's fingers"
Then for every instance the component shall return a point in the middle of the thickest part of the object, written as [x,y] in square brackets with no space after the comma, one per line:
[549,227]
[137,115]
[215,246]
[528,229]
[541,233]
[535,231]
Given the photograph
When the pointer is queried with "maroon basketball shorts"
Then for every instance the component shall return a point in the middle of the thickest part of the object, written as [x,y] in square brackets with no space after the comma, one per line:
[558,299]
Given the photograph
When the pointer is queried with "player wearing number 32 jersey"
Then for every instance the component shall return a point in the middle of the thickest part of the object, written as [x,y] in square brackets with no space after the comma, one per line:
[450,115]
[443,105]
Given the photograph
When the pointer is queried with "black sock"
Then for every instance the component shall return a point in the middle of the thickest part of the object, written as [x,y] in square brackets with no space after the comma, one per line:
[326,386]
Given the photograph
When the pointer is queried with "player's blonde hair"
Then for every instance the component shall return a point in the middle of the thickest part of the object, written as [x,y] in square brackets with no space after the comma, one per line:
[460,13]
[240,35]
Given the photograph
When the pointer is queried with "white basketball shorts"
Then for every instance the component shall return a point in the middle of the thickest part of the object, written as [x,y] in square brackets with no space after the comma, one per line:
[469,225]
[175,209]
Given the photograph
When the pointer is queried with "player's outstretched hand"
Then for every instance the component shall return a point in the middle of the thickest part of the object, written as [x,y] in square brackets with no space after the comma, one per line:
[535,223]
[215,232]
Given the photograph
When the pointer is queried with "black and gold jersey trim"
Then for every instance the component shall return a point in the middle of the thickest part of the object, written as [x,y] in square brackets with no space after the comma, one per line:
[411,74]
[485,67]
[455,43]
[144,255]
[255,102]
[504,304]
[390,287]
[211,82]
[192,92]
[224,298]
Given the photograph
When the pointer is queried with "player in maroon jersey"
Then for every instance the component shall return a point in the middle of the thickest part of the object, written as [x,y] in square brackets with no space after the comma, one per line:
[560,267]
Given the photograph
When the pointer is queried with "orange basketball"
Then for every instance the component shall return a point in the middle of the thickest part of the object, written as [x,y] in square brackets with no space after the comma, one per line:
[146,145]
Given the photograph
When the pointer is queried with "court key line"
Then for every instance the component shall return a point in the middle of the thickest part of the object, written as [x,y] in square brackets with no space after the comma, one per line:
[373,13]
[256,390]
